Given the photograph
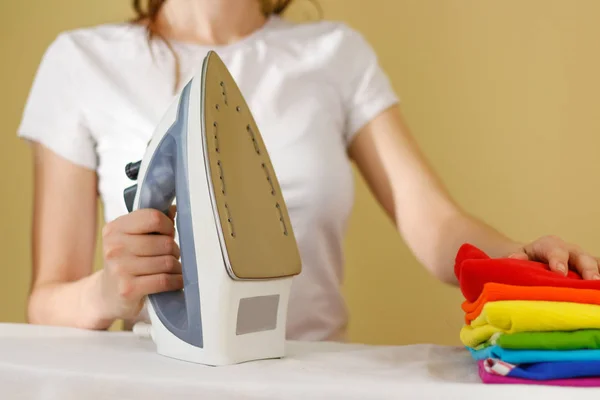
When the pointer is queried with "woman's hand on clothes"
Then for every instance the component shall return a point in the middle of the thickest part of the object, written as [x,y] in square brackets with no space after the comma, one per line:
[429,220]
[560,256]
[141,258]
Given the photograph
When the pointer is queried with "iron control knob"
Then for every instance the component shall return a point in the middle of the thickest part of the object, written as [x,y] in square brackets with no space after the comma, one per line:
[132,169]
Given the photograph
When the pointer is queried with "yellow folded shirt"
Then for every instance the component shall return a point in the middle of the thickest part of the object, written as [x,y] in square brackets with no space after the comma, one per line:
[529,316]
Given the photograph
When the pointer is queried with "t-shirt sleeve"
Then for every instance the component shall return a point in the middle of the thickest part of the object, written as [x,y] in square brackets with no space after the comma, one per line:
[53,114]
[366,88]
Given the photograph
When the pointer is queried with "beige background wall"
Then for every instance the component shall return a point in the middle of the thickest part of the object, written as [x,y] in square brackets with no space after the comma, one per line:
[502,96]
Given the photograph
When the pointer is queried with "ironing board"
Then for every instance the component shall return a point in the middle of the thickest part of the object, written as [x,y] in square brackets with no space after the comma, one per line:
[63,363]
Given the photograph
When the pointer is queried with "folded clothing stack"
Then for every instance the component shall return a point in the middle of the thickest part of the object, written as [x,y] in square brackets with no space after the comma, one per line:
[526,324]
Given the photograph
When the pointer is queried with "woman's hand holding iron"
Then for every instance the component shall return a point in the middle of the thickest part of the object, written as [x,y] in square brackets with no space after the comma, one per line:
[141,258]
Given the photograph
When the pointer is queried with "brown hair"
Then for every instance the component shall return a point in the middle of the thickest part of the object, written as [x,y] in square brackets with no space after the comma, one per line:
[147,12]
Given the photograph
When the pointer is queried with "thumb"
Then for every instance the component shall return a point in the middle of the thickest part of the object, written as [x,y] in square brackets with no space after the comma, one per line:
[172,212]
[519,255]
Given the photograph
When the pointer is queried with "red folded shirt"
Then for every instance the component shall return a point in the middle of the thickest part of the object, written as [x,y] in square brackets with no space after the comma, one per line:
[474,269]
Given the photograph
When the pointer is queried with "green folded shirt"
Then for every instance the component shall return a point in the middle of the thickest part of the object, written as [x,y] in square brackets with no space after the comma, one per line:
[573,340]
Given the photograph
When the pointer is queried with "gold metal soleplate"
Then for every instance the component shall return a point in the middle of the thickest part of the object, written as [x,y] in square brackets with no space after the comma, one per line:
[257,236]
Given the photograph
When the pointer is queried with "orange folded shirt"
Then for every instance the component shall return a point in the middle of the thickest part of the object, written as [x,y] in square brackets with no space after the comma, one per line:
[499,291]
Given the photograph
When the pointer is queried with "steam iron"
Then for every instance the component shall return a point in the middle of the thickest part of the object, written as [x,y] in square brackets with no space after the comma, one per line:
[238,250]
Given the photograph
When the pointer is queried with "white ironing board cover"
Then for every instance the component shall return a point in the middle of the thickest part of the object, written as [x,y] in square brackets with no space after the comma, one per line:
[50,363]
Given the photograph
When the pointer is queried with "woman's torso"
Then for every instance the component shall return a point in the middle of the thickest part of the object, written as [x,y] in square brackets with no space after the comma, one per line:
[292,79]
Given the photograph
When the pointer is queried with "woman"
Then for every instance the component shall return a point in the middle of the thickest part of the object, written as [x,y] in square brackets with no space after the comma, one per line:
[321,100]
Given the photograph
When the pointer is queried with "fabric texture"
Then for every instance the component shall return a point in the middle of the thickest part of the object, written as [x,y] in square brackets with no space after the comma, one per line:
[534,356]
[558,340]
[498,291]
[473,269]
[100,91]
[529,316]
[544,371]
[56,363]
[493,378]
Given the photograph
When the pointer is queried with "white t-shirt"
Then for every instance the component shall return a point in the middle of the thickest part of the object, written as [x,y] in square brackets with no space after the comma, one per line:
[99,92]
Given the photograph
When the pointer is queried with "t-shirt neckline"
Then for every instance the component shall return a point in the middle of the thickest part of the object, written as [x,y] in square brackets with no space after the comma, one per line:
[253,36]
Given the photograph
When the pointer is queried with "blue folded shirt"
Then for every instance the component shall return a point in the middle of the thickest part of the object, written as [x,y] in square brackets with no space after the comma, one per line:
[547,371]
[534,356]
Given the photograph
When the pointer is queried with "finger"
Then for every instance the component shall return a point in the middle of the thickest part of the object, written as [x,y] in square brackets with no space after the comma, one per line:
[586,265]
[141,222]
[141,246]
[558,260]
[150,284]
[139,266]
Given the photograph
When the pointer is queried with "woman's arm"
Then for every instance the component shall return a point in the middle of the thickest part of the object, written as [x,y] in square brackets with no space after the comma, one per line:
[429,220]
[63,243]
[140,253]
